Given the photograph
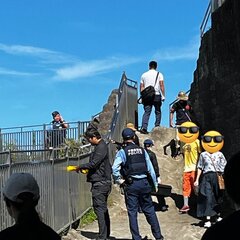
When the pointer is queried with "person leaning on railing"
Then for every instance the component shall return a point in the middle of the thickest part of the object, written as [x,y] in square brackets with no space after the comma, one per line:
[57,133]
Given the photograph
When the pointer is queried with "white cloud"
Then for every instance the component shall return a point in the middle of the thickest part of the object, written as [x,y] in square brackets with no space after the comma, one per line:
[81,69]
[91,68]
[4,71]
[188,52]
[47,56]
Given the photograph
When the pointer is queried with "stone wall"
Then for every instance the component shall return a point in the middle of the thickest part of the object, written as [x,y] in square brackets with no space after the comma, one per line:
[215,91]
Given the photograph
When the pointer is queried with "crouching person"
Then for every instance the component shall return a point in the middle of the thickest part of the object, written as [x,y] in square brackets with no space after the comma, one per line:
[133,164]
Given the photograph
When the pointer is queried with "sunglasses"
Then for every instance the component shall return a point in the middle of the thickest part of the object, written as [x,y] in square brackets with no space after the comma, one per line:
[216,139]
[185,129]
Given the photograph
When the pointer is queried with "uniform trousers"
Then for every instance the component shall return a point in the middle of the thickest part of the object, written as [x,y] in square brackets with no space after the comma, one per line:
[138,194]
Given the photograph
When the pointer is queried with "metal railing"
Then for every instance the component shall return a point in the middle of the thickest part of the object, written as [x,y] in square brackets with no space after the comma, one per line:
[125,111]
[205,19]
[212,6]
[39,137]
[64,196]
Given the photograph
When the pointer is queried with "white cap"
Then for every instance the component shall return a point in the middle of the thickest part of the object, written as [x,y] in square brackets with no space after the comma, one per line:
[20,183]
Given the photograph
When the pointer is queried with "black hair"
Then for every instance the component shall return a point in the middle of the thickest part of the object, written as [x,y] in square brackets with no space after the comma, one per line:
[153,64]
[93,133]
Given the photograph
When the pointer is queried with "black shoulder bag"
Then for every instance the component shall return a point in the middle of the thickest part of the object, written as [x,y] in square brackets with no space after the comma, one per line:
[148,94]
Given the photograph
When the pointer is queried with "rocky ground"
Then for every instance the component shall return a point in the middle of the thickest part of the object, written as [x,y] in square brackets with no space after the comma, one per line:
[174,225]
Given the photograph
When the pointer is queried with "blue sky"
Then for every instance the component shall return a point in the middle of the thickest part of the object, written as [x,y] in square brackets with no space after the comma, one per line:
[69,55]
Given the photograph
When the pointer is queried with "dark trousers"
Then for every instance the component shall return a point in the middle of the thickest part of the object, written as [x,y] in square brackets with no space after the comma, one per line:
[161,201]
[100,193]
[138,193]
[157,103]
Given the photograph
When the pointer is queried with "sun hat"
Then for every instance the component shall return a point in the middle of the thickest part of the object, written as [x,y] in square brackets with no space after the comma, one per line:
[182,96]
[128,133]
[148,142]
[131,125]
[21,183]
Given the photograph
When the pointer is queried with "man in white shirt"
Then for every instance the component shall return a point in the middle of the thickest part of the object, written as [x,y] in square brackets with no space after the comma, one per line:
[152,78]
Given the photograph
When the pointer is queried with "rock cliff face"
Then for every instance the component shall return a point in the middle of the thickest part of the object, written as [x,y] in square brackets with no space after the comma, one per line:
[215,91]
[105,117]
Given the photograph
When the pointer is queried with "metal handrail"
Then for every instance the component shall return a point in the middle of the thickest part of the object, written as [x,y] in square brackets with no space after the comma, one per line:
[41,136]
[205,19]
[65,197]
[129,82]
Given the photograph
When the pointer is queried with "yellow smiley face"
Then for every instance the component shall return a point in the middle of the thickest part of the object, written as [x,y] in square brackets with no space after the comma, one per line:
[212,141]
[188,132]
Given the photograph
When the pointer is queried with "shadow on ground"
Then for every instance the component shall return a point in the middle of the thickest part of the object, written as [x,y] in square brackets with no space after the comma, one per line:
[94,235]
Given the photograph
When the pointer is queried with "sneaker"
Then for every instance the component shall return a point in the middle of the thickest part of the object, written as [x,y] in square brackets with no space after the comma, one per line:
[219,219]
[184,209]
[143,131]
[207,224]
[164,208]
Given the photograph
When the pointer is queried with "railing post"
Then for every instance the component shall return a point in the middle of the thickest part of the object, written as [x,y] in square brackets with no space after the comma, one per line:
[1,143]
[78,130]
[53,195]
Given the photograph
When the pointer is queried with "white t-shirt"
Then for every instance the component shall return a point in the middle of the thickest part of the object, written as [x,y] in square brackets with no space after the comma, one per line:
[148,79]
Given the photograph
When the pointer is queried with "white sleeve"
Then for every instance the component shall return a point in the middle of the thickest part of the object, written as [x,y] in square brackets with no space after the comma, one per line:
[160,77]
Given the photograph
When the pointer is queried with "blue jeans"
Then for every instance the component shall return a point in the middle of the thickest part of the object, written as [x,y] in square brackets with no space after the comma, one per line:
[157,103]
[138,194]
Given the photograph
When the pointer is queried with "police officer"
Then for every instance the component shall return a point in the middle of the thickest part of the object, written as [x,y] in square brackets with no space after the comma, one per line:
[58,133]
[131,168]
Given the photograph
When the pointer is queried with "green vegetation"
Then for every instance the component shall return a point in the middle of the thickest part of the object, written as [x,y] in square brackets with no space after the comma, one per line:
[88,218]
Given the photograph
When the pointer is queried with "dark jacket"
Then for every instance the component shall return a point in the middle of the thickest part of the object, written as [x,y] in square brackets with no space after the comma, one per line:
[36,231]
[183,111]
[153,159]
[99,166]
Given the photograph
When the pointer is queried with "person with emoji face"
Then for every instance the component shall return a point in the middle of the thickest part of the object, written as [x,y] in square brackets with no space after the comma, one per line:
[229,226]
[211,162]
[188,133]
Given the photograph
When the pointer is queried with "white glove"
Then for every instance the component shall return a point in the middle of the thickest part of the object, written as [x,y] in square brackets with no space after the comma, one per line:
[163,98]
[158,180]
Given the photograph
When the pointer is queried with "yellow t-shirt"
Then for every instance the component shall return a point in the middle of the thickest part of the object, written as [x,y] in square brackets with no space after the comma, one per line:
[191,153]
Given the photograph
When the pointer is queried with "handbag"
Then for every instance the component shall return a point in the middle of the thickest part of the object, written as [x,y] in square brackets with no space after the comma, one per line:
[163,190]
[221,183]
[148,94]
